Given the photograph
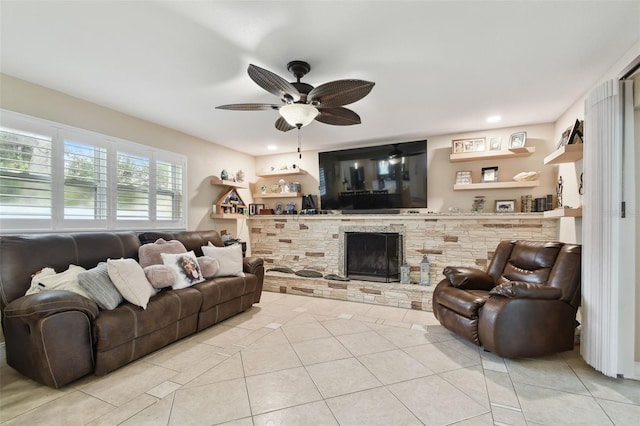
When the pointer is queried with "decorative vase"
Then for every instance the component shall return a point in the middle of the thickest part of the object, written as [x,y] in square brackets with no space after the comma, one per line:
[224,175]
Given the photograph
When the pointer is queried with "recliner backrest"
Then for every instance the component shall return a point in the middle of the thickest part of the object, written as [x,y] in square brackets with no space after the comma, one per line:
[550,263]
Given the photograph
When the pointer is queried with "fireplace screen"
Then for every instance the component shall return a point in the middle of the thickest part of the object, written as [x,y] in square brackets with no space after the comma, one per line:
[373,256]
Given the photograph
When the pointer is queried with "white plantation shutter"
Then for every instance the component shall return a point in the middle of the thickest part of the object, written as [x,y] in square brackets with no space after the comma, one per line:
[26,192]
[169,189]
[133,187]
[85,182]
[56,177]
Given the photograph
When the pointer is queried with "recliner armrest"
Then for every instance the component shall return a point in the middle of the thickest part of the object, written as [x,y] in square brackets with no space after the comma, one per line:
[36,306]
[251,264]
[522,290]
[468,278]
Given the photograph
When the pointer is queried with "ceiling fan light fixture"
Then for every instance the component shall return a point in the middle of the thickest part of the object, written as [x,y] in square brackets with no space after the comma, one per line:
[298,115]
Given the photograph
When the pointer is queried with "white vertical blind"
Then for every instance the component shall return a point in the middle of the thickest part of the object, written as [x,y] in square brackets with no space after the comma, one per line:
[601,228]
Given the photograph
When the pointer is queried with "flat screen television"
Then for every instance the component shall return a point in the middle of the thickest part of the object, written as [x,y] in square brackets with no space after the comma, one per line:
[375,178]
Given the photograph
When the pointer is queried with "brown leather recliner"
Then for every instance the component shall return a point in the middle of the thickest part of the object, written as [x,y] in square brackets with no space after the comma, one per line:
[524,305]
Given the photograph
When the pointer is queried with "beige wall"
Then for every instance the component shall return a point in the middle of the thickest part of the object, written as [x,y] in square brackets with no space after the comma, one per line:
[204,158]
[441,172]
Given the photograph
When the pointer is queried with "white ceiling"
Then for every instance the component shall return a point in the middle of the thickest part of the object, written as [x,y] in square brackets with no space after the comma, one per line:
[439,67]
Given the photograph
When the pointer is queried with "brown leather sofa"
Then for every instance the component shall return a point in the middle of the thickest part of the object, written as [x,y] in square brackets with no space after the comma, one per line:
[524,305]
[55,337]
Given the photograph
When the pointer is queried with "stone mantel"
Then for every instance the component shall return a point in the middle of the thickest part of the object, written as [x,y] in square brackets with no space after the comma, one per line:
[313,241]
[403,216]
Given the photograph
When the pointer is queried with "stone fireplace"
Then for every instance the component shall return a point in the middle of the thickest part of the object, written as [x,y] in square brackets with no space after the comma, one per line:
[373,256]
[317,242]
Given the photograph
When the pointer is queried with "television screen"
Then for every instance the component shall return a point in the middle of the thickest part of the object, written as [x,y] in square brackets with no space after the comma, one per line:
[392,176]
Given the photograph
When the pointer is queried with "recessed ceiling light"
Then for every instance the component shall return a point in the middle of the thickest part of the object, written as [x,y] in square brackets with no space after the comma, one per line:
[493,119]
[272,147]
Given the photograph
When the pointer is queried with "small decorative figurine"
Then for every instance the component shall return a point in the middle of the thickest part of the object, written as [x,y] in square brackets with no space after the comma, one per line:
[224,175]
[559,188]
[239,176]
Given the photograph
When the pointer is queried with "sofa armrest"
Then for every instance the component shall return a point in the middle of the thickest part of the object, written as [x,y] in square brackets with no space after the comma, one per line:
[34,307]
[468,278]
[522,290]
[251,264]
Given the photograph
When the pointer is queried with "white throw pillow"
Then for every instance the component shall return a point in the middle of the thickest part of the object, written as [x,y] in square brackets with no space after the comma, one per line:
[129,278]
[229,258]
[186,267]
[47,279]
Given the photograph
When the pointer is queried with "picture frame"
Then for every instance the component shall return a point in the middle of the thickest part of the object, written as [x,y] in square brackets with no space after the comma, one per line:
[463,177]
[518,140]
[505,206]
[490,174]
[459,146]
[572,135]
[257,208]
[495,144]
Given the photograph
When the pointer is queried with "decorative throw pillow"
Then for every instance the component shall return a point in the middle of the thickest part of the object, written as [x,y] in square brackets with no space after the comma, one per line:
[97,283]
[129,278]
[48,279]
[229,258]
[149,254]
[208,266]
[160,276]
[186,268]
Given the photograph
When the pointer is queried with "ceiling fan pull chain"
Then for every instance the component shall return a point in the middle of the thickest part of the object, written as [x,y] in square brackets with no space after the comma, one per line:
[299,153]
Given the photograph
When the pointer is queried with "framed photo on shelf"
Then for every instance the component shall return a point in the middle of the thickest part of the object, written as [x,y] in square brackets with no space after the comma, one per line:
[459,146]
[495,144]
[463,178]
[490,174]
[573,134]
[505,206]
[518,140]
[256,208]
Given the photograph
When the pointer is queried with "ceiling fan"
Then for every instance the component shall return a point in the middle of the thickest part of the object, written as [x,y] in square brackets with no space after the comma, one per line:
[301,102]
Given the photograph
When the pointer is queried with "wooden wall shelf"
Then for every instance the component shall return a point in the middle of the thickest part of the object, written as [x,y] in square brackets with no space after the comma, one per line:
[565,154]
[564,212]
[278,195]
[496,185]
[281,173]
[217,181]
[492,155]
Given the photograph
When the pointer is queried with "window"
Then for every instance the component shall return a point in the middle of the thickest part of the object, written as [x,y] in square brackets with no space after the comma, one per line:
[25,175]
[85,181]
[54,177]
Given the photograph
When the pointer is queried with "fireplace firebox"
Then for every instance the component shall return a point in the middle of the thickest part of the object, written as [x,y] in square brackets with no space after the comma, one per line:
[373,256]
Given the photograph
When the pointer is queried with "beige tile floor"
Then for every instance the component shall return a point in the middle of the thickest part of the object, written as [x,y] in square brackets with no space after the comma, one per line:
[295,360]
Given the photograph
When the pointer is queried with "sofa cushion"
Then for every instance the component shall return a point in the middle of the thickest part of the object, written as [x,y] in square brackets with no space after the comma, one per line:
[48,279]
[208,266]
[186,267]
[127,323]
[97,283]
[150,254]
[219,290]
[160,276]
[129,278]
[229,258]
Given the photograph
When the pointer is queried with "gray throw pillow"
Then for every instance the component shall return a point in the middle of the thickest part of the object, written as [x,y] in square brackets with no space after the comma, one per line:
[97,283]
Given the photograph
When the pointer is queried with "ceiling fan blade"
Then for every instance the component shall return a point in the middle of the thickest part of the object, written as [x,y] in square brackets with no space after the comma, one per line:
[338,116]
[340,92]
[273,83]
[283,126]
[249,107]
